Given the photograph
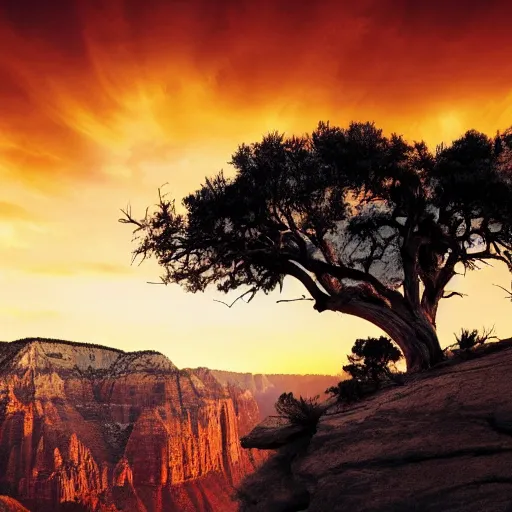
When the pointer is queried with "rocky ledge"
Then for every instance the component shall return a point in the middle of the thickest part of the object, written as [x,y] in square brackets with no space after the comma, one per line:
[272,433]
[441,442]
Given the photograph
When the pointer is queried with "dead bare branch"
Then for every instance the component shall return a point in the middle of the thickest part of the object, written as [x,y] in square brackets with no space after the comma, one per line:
[294,300]
[454,294]
[129,219]
[509,292]
[252,291]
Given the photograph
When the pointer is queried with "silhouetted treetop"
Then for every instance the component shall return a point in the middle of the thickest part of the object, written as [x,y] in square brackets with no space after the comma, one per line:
[373,359]
[359,218]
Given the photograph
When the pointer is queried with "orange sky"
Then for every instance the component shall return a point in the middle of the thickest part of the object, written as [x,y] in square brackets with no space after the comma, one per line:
[104,101]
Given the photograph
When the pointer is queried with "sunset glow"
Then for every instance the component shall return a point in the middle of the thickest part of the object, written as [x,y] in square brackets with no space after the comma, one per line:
[104,101]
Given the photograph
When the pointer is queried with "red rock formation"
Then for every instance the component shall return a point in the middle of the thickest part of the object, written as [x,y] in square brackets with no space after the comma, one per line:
[100,430]
[8,504]
[267,388]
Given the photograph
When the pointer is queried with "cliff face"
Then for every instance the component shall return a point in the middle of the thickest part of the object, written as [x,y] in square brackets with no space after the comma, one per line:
[107,430]
[441,442]
[7,504]
[266,388]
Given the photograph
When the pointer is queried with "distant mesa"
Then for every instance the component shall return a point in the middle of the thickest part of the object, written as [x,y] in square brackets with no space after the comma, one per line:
[91,428]
[59,355]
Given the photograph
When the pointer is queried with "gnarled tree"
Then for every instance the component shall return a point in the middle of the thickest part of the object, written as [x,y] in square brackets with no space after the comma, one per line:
[372,226]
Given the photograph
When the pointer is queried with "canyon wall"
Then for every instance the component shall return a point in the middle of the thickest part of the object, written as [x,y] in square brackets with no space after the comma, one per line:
[266,388]
[8,504]
[88,428]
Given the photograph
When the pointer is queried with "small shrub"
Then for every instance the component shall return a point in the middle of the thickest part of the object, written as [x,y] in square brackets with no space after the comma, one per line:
[347,391]
[299,411]
[469,339]
[371,363]
[373,359]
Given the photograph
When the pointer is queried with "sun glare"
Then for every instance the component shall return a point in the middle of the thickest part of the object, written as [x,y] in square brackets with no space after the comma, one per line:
[451,127]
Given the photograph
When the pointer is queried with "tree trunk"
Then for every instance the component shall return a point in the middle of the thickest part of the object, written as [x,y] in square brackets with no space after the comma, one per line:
[411,331]
[405,323]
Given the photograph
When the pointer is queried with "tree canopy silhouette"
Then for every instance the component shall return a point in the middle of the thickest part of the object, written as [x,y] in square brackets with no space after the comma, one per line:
[372,226]
[371,359]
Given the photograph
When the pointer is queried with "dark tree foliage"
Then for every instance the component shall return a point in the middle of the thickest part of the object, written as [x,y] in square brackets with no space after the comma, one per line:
[299,411]
[373,359]
[372,226]
[351,390]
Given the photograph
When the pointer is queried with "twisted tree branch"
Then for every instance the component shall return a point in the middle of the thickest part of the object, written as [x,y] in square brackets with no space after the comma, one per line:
[294,300]
[454,294]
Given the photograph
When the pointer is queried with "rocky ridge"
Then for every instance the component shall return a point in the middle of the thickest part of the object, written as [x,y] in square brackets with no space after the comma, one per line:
[441,442]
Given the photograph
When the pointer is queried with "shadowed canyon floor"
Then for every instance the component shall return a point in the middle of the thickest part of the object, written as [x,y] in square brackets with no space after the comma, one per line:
[92,429]
[442,442]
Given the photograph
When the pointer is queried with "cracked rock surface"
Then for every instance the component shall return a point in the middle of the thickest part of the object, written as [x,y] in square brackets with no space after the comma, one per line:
[441,443]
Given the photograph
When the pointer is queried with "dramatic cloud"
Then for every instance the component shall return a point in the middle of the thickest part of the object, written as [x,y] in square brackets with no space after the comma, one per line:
[94,88]
[102,101]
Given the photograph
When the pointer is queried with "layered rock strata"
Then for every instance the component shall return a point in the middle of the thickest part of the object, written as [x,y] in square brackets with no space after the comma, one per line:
[101,430]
